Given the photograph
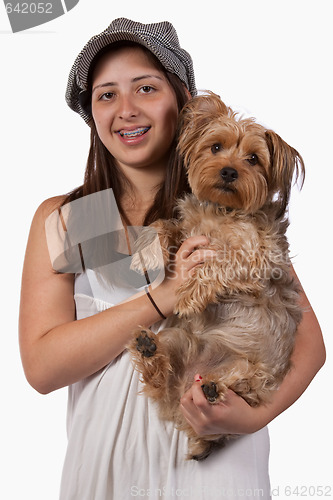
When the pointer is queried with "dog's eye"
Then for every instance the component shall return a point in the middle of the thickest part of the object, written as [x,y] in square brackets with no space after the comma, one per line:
[253,160]
[216,148]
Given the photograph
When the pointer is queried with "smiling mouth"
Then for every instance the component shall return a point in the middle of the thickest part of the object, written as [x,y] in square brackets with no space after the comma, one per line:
[131,134]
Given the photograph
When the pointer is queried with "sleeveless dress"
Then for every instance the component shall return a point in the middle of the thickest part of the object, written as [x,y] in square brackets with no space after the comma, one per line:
[119,449]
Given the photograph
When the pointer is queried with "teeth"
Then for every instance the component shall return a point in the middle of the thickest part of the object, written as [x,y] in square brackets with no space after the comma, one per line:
[134,133]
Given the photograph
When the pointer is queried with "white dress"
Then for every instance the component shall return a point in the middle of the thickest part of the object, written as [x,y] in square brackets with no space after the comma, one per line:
[119,449]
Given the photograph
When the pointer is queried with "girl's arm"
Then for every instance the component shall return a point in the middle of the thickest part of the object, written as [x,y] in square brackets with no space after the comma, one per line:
[235,415]
[56,349]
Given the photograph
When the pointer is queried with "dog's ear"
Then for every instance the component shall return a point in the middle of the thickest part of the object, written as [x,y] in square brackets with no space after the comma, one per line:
[195,116]
[200,110]
[285,163]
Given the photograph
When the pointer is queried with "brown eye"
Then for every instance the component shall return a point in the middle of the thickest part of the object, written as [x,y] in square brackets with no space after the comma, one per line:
[216,148]
[253,160]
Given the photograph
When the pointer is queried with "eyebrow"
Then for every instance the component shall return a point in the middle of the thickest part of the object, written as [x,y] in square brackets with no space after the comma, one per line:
[134,80]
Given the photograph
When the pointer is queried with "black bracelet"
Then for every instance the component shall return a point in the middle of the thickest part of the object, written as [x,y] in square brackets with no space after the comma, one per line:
[153,302]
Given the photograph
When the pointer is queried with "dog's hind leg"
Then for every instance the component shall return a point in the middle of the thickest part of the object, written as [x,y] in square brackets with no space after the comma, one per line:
[163,360]
[150,360]
[252,381]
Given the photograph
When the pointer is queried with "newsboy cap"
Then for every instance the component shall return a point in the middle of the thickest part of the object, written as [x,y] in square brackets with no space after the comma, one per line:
[160,38]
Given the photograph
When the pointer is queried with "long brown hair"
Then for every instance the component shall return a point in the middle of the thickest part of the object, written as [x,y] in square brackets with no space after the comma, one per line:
[102,171]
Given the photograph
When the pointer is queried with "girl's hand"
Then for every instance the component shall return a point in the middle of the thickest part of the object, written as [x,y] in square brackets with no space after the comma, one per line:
[233,416]
[187,258]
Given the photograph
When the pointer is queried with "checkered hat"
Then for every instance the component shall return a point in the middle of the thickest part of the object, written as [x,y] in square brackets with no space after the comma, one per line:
[160,38]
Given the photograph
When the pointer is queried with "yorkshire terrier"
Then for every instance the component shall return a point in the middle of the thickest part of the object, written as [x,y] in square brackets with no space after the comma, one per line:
[237,315]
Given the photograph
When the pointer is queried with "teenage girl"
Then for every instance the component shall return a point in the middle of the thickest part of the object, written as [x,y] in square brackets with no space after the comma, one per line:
[129,84]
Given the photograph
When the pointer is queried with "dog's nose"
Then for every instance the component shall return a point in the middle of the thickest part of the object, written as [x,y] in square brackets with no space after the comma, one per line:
[229,174]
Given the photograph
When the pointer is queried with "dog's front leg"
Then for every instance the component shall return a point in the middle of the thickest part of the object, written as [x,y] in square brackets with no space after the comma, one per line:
[215,280]
[201,289]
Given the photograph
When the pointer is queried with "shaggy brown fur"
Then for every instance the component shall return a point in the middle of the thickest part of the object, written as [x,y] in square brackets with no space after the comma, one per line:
[238,313]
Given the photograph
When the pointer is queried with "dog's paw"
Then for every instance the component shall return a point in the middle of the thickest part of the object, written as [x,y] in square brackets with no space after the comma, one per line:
[145,344]
[210,391]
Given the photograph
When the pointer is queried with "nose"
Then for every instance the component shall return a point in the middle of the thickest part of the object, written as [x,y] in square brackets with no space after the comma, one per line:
[126,107]
[229,174]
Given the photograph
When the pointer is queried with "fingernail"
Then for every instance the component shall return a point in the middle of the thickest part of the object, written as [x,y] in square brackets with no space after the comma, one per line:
[198,378]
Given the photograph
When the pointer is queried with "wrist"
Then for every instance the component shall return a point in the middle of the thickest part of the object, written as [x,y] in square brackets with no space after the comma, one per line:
[153,303]
[163,298]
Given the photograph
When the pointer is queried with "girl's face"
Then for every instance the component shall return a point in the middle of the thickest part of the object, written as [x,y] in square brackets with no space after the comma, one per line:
[134,108]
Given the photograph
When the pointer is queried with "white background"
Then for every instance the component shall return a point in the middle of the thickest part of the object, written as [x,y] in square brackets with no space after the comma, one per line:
[271,59]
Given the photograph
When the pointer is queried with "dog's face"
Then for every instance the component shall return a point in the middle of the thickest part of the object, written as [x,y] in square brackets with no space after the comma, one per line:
[234,163]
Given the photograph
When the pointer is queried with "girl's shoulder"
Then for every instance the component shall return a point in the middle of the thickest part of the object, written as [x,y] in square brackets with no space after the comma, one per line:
[47,207]
[51,204]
